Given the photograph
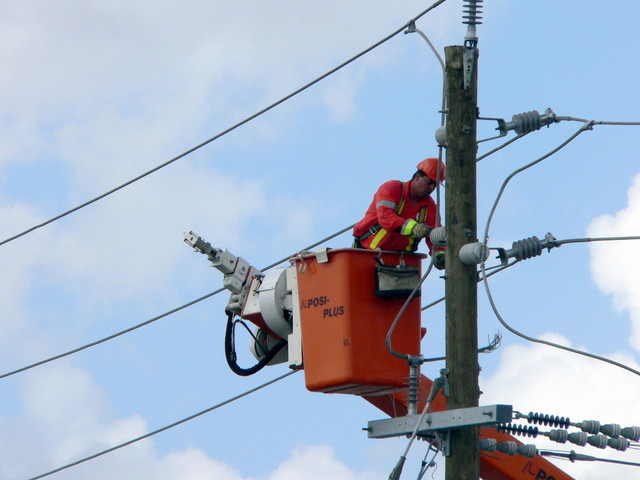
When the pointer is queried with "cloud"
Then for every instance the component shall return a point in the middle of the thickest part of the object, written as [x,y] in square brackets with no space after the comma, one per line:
[542,379]
[615,265]
[317,462]
[66,416]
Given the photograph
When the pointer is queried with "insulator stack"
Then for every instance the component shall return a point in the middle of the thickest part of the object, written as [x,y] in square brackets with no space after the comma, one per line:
[563,436]
[632,433]
[526,122]
[598,441]
[521,430]
[413,382]
[438,237]
[472,11]
[619,443]
[508,448]
[611,430]
[527,450]
[589,426]
[547,420]
[527,248]
[488,444]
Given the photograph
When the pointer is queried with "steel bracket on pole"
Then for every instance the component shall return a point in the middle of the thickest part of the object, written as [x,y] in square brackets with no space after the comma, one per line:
[440,422]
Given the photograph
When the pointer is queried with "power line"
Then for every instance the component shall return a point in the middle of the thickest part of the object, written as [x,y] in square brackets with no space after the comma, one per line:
[224,132]
[587,125]
[110,337]
[573,456]
[545,342]
[583,128]
[154,319]
[155,432]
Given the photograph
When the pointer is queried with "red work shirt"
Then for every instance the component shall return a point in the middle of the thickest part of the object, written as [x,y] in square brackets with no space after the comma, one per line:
[391,217]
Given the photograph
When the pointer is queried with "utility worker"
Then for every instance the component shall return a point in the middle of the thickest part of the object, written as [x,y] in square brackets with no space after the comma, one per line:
[402,213]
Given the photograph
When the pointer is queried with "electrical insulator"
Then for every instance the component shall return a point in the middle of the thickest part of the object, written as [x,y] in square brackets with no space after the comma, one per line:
[473,253]
[472,11]
[559,436]
[546,420]
[598,441]
[527,248]
[438,237]
[508,448]
[528,122]
[518,430]
[589,426]
[619,443]
[563,436]
[441,136]
[632,433]
[527,450]
[488,444]
[611,430]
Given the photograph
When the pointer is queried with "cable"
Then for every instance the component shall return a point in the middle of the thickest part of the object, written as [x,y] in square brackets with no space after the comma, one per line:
[557,118]
[427,465]
[175,424]
[545,342]
[596,239]
[573,456]
[508,142]
[110,337]
[435,387]
[587,125]
[552,344]
[228,130]
[411,296]
[231,356]
[496,269]
[584,127]
[166,314]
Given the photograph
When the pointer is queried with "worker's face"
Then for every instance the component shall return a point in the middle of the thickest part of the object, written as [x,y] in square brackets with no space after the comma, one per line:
[424,186]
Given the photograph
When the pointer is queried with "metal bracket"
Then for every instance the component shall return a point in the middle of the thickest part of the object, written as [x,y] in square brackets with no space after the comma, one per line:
[469,58]
[440,421]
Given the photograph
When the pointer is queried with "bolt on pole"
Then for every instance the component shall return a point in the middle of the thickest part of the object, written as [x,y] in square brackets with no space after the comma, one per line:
[461,279]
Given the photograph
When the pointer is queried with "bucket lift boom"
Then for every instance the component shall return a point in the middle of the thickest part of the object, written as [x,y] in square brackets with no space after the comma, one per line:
[326,307]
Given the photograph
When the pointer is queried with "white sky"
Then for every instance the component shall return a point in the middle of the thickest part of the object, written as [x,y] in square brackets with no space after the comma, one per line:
[95,93]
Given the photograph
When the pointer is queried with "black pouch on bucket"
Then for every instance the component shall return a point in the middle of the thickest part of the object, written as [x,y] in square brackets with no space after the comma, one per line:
[396,281]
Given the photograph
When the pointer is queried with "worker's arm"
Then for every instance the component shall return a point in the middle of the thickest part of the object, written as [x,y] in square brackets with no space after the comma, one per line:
[386,201]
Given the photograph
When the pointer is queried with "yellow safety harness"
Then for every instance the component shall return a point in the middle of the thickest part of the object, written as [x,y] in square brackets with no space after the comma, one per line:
[380,232]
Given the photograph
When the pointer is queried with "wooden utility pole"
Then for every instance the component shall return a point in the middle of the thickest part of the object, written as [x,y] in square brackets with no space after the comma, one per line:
[461,280]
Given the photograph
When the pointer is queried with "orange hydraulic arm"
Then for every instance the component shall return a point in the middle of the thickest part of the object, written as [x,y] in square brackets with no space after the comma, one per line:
[494,466]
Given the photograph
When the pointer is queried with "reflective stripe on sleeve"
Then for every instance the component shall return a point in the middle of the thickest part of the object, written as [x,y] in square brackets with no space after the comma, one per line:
[386,203]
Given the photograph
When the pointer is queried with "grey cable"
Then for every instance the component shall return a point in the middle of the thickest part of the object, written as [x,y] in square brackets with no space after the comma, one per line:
[587,125]
[110,337]
[435,387]
[583,128]
[573,456]
[228,130]
[545,342]
[552,344]
[508,142]
[155,432]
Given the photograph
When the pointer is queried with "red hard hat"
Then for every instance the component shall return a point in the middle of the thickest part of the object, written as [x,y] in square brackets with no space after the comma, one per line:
[429,166]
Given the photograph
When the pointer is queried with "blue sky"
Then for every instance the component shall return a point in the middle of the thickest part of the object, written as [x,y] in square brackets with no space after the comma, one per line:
[94,93]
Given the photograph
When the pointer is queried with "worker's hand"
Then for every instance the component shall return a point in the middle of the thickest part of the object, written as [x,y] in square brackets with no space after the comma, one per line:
[421,230]
[438,260]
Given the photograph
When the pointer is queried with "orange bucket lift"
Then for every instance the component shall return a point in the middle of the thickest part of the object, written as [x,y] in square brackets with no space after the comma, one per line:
[334,310]
[344,321]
